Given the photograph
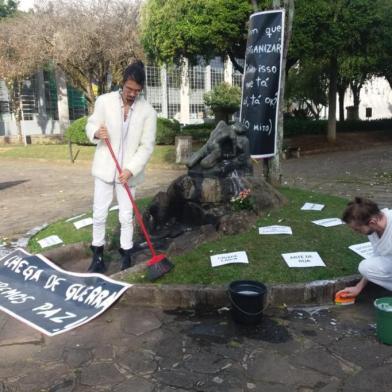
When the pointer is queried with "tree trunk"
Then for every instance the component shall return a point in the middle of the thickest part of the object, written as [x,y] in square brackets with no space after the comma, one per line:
[356,89]
[272,165]
[341,92]
[333,73]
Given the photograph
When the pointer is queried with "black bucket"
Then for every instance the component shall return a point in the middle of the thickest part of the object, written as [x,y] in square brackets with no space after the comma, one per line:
[247,300]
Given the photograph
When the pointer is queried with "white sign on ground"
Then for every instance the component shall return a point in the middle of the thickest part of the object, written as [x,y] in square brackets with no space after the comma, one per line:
[229,258]
[50,241]
[303,259]
[275,229]
[83,223]
[75,217]
[364,249]
[329,222]
[312,207]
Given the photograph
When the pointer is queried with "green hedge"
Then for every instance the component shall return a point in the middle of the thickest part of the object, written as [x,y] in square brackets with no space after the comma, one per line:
[199,132]
[294,127]
[167,130]
[76,132]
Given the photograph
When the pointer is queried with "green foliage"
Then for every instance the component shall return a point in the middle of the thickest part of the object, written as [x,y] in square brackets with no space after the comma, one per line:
[294,126]
[265,252]
[67,232]
[223,97]
[174,29]
[199,132]
[76,132]
[7,8]
[167,130]
[307,86]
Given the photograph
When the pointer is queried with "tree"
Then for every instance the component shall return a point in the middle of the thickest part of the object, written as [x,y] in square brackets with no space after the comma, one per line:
[382,47]
[7,8]
[332,31]
[90,41]
[307,86]
[16,63]
[223,100]
[175,29]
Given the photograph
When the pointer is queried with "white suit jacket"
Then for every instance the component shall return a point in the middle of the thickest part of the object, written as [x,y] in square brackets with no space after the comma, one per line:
[140,140]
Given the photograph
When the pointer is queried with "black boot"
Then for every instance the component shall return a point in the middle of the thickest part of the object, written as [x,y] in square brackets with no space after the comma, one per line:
[97,264]
[126,260]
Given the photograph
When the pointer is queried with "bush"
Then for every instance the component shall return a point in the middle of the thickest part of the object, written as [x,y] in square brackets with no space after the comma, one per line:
[223,100]
[294,126]
[76,132]
[223,97]
[167,130]
[199,132]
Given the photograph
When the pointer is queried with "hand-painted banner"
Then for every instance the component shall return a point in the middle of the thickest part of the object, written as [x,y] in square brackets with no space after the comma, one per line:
[39,293]
[261,84]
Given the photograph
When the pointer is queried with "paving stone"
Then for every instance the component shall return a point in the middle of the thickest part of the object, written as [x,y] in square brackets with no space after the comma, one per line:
[15,332]
[75,357]
[135,385]
[320,360]
[132,324]
[101,374]
[274,368]
[267,387]
[180,379]
[377,379]
[206,362]
[138,362]
[44,378]
[103,352]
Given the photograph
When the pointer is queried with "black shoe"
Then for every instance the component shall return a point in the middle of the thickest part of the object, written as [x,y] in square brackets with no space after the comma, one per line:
[126,260]
[97,264]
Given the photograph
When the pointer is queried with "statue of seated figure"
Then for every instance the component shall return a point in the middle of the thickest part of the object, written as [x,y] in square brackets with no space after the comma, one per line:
[226,142]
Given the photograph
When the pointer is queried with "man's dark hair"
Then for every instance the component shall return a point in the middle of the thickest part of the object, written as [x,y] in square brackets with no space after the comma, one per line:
[360,211]
[135,72]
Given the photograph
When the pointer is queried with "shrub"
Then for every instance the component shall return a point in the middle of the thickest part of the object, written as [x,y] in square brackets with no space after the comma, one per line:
[199,132]
[223,100]
[76,132]
[167,130]
[294,126]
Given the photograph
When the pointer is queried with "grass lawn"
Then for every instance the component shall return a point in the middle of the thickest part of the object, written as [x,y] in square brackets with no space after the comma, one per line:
[264,252]
[67,232]
[60,152]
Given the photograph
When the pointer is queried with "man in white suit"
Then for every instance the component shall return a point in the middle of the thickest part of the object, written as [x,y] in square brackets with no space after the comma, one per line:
[129,122]
[365,217]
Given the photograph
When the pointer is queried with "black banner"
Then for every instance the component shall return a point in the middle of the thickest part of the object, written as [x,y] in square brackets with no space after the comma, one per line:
[49,299]
[261,84]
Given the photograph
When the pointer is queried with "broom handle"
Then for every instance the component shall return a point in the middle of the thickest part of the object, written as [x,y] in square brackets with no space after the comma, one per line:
[135,208]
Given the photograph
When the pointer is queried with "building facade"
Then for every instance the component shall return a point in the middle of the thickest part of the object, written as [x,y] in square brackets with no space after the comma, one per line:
[49,104]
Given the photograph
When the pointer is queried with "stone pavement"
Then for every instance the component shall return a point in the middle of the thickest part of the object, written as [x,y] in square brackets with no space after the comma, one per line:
[35,192]
[149,349]
[132,349]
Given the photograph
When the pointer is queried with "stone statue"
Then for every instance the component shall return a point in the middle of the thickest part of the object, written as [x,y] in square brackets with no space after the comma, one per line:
[227,146]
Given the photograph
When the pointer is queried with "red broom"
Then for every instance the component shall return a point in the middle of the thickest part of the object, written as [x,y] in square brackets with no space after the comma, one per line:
[159,264]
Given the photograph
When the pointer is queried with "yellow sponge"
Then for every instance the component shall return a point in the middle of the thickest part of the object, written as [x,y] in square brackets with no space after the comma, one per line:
[341,299]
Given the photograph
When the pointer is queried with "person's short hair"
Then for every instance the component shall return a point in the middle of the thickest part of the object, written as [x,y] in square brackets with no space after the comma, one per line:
[360,211]
[135,72]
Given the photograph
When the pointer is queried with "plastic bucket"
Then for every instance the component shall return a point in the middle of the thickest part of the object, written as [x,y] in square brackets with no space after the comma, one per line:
[384,319]
[247,300]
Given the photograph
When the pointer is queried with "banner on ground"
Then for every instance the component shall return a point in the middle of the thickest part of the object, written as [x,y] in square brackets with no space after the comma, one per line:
[261,83]
[39,293]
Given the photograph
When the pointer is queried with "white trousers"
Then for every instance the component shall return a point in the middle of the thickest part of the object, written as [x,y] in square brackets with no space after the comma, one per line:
[377,269]
[103,196]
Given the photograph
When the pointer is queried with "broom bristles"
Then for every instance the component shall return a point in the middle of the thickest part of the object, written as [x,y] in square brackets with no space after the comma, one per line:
[158,266]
